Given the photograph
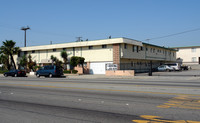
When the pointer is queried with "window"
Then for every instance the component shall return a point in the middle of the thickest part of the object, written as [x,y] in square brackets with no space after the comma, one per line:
[125,46]
[25,52]
[146,49]
[169,53]
[104,46]
[141,48]
[193,49]
[90,47]
[131,64]
[64,49]
[194,59]
[137,48]
[54,50]
[33,51]
[133,48]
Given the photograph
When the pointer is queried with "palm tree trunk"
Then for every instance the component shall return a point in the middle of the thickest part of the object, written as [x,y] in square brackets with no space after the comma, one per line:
[12,60]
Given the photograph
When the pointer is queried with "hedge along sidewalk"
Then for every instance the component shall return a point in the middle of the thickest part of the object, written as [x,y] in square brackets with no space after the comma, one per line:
[3,71]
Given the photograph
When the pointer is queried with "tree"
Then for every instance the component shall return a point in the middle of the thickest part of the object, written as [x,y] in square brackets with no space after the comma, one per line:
[64,55]
[56,61]
[10,49]
[31,64]
[4,59]
[81,61]
[74,61]
[23,61]
[53,59]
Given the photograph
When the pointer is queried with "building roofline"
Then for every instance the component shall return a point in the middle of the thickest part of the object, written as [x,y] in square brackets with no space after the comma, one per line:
[186,47]
[90,43]
[83,44]
[159,46]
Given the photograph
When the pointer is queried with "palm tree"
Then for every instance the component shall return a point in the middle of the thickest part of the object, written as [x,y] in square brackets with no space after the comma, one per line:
[4,59]
[23,62]
[53,59]
[64,55]
[10,49]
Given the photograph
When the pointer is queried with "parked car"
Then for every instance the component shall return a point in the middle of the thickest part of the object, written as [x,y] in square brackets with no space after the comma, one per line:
[175,66]
[50,71]
[15,73]
[165,68]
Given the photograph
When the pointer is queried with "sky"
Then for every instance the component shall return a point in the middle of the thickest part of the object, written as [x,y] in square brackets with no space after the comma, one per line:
[61,21]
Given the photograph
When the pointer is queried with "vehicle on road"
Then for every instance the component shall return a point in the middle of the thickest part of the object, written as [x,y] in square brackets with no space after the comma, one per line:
[175,66]
[50,71]
[165,68]
[15,73]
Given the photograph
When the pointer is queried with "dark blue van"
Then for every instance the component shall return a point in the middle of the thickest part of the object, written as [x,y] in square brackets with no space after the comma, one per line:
[50,71]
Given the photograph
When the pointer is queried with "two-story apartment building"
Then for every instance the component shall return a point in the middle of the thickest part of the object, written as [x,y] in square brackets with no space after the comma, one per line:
[126,53]
[189,54]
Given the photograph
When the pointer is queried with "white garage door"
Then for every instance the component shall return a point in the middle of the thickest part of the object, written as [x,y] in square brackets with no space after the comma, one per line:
[98,67]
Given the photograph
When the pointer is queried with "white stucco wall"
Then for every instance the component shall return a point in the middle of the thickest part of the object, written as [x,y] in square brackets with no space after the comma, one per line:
[187,54]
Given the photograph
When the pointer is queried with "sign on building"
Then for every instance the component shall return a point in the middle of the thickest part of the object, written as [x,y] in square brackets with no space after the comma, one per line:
[111,67]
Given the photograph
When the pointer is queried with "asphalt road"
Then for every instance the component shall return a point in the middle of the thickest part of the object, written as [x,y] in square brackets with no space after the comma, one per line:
[64,100]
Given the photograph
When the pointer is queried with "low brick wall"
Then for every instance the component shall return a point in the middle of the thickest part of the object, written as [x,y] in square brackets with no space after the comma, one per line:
[120,73]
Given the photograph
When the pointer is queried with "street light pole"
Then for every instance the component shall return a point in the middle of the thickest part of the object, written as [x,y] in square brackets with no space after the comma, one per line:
[24,29]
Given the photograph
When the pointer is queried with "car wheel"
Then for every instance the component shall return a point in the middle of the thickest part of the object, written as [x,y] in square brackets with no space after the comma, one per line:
[167,70]
[15,75]
[5,75]
[38,75]
[50,75]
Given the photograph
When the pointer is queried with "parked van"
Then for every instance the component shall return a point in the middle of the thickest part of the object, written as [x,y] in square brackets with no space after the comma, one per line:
[175,66]
[50,71]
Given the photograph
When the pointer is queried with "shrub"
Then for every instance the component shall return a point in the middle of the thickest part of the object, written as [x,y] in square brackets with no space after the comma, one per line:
[3,71]
[67,71]
[74,71]
[35,68]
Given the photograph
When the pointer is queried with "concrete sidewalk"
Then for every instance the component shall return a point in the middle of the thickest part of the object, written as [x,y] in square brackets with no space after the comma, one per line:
[184,75]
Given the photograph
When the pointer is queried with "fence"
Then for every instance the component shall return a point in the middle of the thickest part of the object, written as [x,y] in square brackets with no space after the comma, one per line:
[140,67]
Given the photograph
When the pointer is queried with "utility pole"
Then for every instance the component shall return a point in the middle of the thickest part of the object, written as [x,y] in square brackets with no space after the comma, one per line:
[78,39]
[24,29]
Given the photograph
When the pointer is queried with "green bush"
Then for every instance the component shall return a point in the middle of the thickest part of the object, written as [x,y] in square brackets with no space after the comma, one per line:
[35,68]
[74,71]
[67,71]
[3,71]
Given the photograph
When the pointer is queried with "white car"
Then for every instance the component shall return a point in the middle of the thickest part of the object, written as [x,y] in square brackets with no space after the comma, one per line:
[175,66]
[165,68]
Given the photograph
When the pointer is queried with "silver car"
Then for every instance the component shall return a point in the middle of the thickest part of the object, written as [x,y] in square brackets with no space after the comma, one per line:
[165,68]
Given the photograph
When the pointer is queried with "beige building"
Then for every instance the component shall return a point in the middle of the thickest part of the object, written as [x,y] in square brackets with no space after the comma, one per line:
[189,54]
[126,54]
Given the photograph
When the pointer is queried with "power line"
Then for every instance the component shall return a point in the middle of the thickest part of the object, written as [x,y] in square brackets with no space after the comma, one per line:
[173,34]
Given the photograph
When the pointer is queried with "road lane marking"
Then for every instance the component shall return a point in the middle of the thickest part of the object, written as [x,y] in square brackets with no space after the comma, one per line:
[183,101]
[96,89]
[158,119]
[119,84]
